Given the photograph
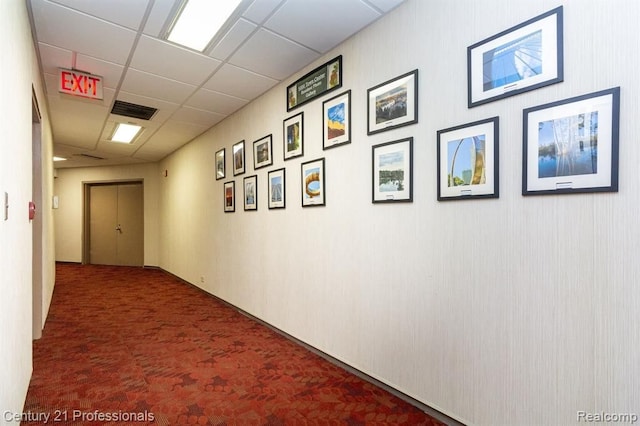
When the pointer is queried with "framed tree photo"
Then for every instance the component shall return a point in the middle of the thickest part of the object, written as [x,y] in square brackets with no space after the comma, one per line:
[262,155]
[393,103]
[276,189]
[220,166]
[571,145]
[293,133]
[229,196]
[238,158]
[336,120]
[392,166]
[251,193]
[313,187]
[522,58]
[468,161]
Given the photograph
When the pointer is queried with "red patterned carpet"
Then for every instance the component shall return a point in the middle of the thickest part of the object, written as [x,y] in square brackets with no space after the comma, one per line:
[137,346]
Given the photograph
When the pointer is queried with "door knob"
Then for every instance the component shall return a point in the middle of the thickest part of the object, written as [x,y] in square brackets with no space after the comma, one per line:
[119,229]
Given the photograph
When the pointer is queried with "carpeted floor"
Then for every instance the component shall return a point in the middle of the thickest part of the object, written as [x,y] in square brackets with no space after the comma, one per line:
[137,346]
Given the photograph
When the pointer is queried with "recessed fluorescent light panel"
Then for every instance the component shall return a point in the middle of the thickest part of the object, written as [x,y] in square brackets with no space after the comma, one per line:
[199,21]
[59,158]
[125,133]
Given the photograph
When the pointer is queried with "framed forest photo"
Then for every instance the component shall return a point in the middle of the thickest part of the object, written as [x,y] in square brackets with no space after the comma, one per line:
[293,133]
[572,145]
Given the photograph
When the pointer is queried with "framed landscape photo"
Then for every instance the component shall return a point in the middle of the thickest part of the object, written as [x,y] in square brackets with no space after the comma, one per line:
[522,58]
[393,103]
[336,120]
[229,196]
[468,161]
[293,133]
[572,145]
[313,188]
[392,167]
[238,158]
[276,189]
[251,193]
[262,155]
[220,164]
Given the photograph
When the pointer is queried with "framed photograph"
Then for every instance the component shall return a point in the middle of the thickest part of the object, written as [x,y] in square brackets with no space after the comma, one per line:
[229,196]
[276,189]
[313,188]
[572,145]
[262,156]
[522,58]
[468,161]
[393,103]
[220,164]
[251,193]
[336,120]
[392,167]
[238,158]
[293,133]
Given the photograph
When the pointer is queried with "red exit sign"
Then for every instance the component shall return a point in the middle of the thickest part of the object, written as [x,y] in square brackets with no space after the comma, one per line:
[80,84]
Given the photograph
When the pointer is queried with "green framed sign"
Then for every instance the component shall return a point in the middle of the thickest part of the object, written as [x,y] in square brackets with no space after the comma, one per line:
[322,80]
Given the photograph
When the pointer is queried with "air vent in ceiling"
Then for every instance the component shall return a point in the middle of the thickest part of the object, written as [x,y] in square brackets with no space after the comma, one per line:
[94,157]
[133,110]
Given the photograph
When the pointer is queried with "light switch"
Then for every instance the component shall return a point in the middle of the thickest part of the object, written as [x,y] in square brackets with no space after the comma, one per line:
[55,201]
[6,206]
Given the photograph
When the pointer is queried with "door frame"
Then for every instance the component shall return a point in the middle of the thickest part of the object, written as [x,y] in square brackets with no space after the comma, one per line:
[86,209]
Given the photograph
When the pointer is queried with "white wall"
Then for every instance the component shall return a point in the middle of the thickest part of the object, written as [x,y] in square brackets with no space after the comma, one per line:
[510,311]
[19,77]
[68,186]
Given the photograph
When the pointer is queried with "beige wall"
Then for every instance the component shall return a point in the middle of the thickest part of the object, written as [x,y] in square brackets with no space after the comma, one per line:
[68,187]
[19,78]
[510,311]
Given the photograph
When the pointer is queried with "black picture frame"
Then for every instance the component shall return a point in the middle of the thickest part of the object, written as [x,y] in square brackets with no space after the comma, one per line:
[293,136]
[336,120]
[522,58]
[392,171]
[572,145]
[322,80]
[468,161]
[277,188]
[263,152]
[220,164]
[229,200]
[250,193]
[313,183]
[238,158]
[393,104]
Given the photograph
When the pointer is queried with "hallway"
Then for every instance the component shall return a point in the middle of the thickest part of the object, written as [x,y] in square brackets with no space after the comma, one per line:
[135,345]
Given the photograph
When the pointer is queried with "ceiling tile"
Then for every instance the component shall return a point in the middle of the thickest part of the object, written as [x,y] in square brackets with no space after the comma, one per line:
[197,116]
[386,5]
[260,10]
[233,39]
[128,13]
[271,55]
[52,58]
[111,73]
[353,16]
[167,60]
[109,42]
[76,121]
[158,16]
[238,82]
[220,103]
[153,86]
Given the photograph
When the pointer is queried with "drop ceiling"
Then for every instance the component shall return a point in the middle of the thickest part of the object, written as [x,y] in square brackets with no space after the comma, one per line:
[121,40]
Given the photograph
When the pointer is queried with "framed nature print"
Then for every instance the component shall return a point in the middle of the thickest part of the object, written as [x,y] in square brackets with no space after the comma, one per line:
[276,189]
[468,161]
[293,133]
[238,158]
[392,166]
[393,103]
[313,188]
[522,58]
[251,193]
[572,145]
[229,196]
[336,120]
[262,155]
[220,164]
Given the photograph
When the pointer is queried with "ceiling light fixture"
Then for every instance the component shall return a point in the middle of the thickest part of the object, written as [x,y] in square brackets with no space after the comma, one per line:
[55,158]
[199,20]
[125,133]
